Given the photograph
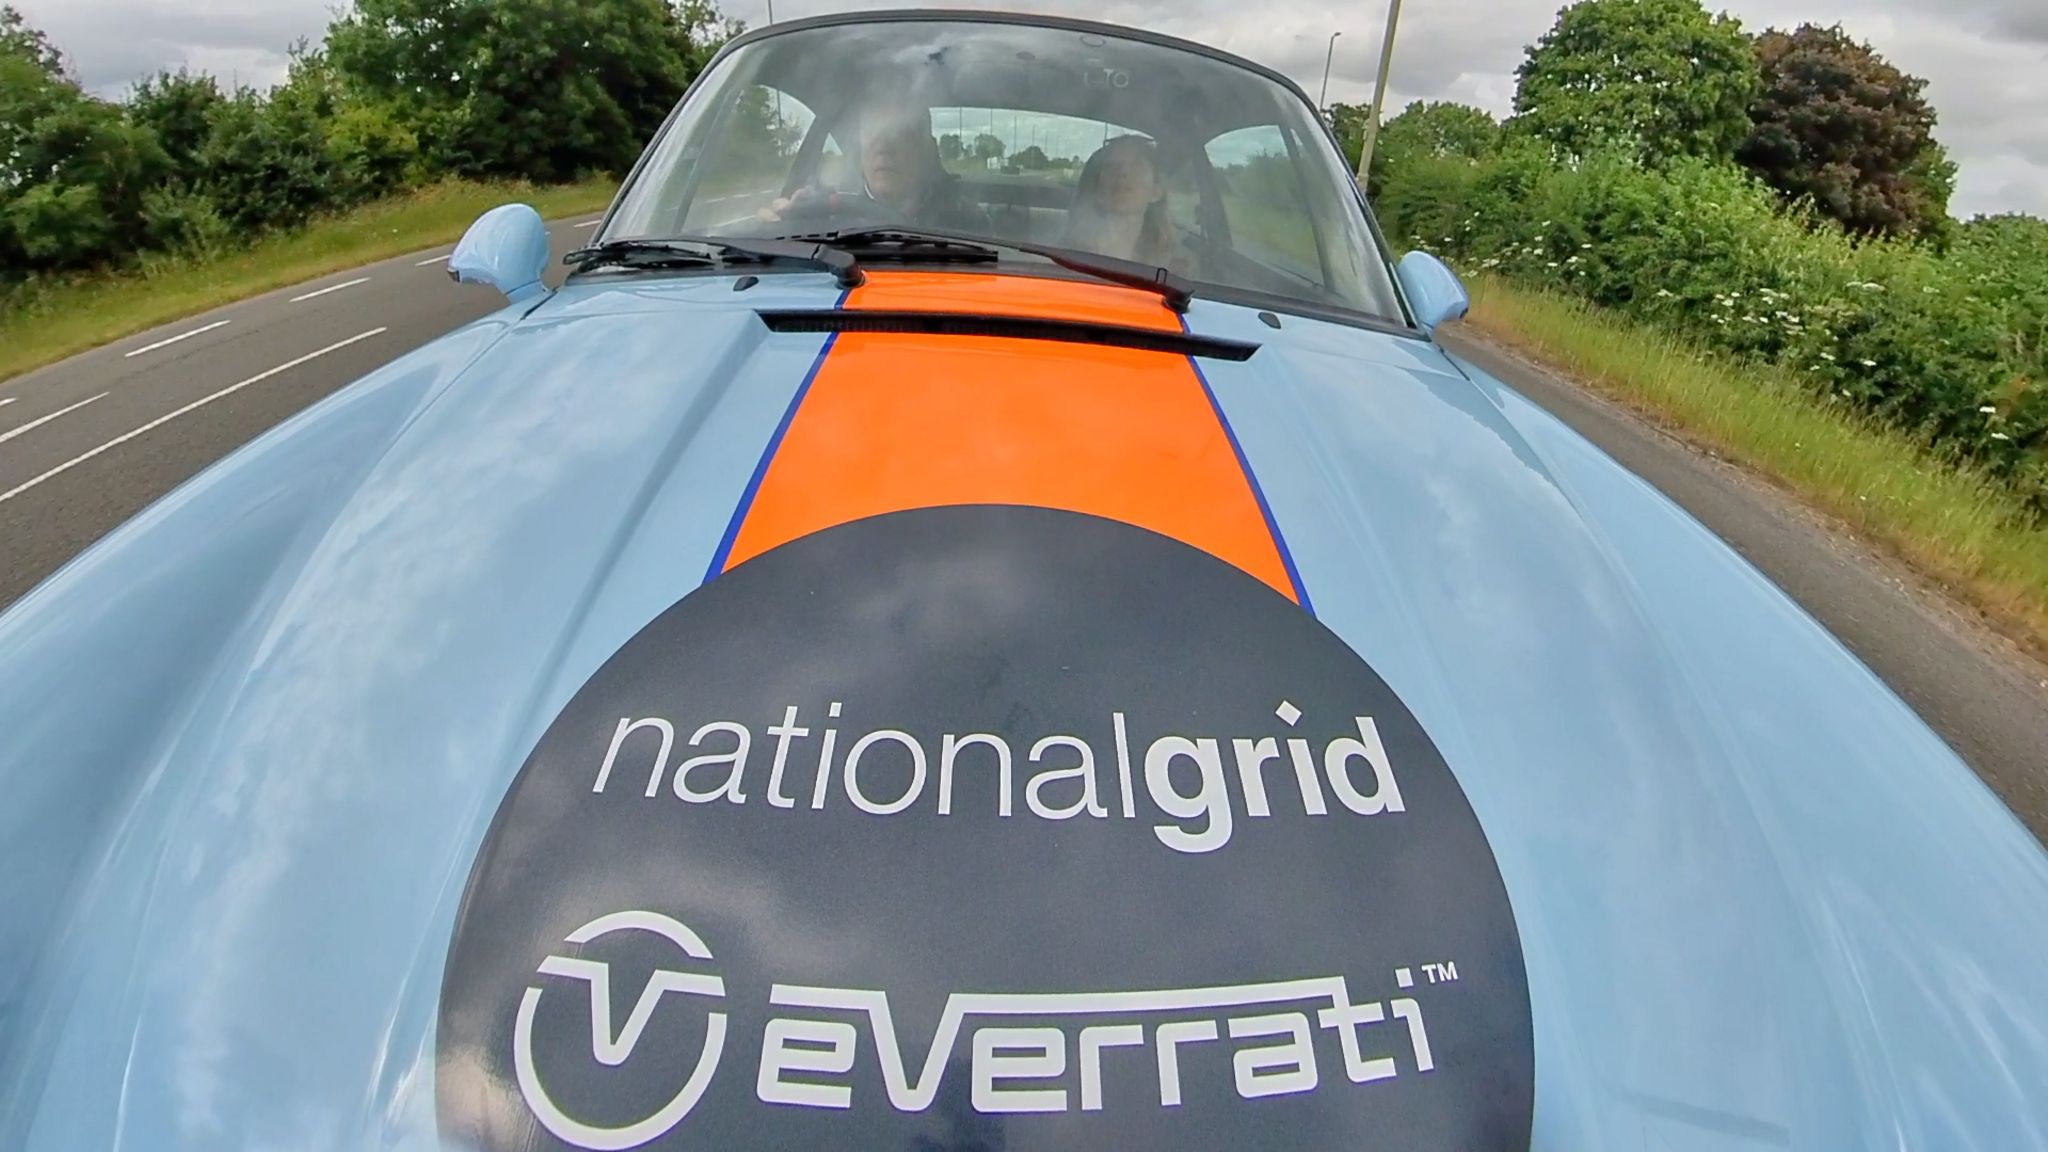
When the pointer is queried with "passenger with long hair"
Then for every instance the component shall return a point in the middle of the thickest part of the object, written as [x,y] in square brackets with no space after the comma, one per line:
[1119,204]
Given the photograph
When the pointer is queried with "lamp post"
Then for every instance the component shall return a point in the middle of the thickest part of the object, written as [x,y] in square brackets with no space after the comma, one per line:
[1379,92]
[1323,99]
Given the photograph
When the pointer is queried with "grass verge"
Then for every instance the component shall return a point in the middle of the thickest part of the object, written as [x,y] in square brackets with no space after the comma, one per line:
[1953,524]
[47,322]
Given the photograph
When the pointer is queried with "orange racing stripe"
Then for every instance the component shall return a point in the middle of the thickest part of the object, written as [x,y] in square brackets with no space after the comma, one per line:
[1012,296]
[895,421]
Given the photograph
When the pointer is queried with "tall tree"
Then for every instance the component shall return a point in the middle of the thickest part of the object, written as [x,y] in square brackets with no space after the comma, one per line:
[179,108]
[544,89]
[1837,123]
[1662,74]
[73,172]
[19,40]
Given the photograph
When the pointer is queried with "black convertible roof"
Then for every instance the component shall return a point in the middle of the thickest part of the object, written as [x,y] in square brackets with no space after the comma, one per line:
[997,79]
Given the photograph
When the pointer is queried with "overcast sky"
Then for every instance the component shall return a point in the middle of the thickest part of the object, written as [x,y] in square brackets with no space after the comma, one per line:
[1986,61]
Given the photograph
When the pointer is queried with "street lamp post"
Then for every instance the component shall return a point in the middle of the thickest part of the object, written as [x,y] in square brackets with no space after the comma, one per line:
[1323,100]
[1379,92]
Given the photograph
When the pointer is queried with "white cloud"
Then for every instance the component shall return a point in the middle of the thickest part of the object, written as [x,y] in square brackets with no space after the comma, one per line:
[1986,61]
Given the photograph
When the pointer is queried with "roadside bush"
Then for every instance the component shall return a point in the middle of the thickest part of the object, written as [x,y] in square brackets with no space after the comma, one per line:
[266,162]
[1423,129]
[185,222]
[179,109]
[372,152]
[1952,345]
[73,172]
[415,90]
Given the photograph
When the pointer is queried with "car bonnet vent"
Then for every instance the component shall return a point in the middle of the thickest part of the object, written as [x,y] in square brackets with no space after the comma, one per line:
[1011,327]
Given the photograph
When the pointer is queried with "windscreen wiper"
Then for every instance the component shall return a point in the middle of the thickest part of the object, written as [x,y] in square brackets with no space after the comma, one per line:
[907,245]
[713,252]
[923,244]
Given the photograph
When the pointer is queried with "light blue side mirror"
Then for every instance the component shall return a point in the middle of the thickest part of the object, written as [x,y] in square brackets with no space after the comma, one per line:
[1434,291]
[506,248]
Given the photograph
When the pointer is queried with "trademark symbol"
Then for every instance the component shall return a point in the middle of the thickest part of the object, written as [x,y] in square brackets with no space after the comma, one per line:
[1442,973]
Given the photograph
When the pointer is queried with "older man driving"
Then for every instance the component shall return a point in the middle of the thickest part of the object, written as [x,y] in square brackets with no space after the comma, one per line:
[900,173]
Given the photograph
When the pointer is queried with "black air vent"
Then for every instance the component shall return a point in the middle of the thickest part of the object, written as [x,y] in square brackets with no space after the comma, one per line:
[1013,327]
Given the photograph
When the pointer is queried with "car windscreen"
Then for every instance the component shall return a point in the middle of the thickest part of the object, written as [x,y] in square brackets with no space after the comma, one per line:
[1019,133]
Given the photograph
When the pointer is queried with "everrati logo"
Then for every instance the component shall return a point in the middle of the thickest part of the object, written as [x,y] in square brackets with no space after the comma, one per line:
[612,1050]
[810,1046]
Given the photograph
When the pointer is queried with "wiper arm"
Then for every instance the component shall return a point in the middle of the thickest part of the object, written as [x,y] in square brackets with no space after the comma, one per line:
[1173,291]
[716,251]
[1170,288]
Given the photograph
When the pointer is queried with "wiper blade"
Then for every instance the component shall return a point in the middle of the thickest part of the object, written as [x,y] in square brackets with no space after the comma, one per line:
[907,245]
[1170,288]
[717,251]
[639,254]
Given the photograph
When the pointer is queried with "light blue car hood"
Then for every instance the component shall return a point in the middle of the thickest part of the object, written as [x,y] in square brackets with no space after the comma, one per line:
[250,744]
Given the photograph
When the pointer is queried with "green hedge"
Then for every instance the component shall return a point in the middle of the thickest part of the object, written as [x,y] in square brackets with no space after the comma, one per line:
[1951,345]
[400,93]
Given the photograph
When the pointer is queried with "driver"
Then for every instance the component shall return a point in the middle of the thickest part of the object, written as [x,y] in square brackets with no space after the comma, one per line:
[900,173]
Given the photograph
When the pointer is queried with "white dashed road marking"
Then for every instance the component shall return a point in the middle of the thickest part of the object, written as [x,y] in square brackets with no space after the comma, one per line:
[433,260]
[175,339]
[591,223]
[331,288]
[12,433]
[4,403]
[160,421]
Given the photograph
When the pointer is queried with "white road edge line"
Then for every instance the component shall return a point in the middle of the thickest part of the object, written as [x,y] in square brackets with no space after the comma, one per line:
[174,339]
[330,288]
[432,260]
[9,400]
[13,432]
[160,421]
[590,223]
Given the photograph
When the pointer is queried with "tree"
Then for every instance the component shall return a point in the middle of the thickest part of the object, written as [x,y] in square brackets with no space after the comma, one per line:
[987,147]
[178,107]
[1429,130]
[541,89]
[264,165]
[1836,123]
[1031,159]
[1662,74]
[371,149]
[74,174]
[950,148]
[1347,124]
[1441,128]
[19,40]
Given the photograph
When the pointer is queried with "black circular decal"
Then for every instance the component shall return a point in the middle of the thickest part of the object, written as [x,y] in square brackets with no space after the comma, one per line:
[985,828]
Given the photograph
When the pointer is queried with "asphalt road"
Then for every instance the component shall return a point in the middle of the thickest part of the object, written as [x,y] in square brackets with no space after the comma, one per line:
[87,443]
